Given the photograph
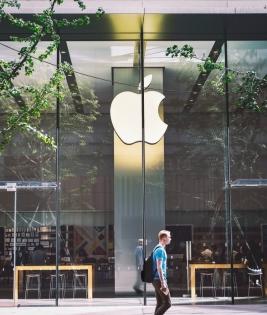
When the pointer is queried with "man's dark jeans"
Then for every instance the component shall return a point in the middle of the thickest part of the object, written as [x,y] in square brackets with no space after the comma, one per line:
[163,300]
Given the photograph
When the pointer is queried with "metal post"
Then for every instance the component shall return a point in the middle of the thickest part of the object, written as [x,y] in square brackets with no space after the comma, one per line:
[15,245]
[228,206]
[188,258]
[57,188]
[143,150]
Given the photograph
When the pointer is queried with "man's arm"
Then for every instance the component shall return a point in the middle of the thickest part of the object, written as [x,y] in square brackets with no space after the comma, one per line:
[160,272]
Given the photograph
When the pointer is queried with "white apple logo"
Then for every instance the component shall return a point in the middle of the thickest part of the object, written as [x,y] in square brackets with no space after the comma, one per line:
[126,115]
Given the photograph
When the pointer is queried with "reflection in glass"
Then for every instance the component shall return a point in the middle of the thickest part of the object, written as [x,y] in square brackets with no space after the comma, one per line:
[193,167]
[32,228]
[248,160]
[101,179]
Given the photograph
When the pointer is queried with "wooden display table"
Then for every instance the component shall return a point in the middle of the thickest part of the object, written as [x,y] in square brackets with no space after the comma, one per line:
[89,269]
[193,268]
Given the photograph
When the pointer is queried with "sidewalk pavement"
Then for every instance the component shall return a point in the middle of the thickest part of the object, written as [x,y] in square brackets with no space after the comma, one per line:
[134,309]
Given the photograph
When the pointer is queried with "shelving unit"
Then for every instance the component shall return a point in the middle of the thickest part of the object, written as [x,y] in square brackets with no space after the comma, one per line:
[30,237]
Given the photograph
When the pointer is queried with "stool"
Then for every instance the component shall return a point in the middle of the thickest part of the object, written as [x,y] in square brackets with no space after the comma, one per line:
[207,277]
[226,283]
[80,283]
[258,282]
[33,283]
[61,285]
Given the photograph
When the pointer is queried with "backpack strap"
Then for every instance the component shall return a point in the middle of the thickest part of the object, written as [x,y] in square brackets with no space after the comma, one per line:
[155,248]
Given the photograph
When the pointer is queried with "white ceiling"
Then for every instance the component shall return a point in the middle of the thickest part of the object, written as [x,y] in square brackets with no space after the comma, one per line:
[151,6]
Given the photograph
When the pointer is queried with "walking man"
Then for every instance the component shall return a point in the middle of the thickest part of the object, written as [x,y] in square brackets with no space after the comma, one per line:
[160,270]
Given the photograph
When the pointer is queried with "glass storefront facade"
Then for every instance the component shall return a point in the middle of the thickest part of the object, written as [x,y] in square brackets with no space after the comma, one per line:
[113,194]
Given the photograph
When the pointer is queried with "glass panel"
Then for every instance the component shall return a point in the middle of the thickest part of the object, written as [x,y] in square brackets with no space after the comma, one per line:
[32,229]
[95,229]
[101,178]
[248,161]
[7,207]
[127,181]
[190,175]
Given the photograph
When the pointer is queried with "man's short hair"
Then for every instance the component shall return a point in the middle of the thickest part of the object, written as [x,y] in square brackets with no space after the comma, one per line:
[163,233]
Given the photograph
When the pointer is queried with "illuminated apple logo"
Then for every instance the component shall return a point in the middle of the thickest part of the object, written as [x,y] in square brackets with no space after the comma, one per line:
[126,115]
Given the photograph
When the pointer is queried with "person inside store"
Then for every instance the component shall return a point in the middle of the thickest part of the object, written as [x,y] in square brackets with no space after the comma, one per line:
[8,264]
[81,256]
[206,253]
[51,257]
[238,252]
[38,256]
[7,269]
[219,253]
[139,260]
[22,257]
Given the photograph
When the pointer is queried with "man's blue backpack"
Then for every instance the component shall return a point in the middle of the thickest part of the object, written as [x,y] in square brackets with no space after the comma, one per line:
[148,274]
